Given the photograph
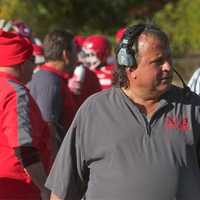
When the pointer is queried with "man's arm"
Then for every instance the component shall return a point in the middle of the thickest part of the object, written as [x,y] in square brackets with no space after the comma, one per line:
[68,176]
[23,135]
[30,160]
[38,176]
[53,133]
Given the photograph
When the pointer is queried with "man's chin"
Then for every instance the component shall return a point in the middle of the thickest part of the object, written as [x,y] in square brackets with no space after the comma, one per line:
[164,87]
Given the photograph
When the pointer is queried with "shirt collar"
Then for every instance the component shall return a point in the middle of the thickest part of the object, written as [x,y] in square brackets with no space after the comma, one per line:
[61,74]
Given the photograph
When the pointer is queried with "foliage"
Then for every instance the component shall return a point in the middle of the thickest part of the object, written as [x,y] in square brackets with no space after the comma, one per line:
[181,21]
[81,16]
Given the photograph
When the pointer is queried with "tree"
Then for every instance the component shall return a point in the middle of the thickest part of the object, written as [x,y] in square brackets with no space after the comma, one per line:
[181,21]
[79,15]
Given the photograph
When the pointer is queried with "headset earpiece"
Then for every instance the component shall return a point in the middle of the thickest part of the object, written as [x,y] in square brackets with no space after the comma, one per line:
[126,53]
[125,56]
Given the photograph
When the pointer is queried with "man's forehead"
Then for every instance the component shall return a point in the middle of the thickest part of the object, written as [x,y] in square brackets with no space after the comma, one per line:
[147,40]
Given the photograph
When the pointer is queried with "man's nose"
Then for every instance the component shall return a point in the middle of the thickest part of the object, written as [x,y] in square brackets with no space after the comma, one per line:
[167,66]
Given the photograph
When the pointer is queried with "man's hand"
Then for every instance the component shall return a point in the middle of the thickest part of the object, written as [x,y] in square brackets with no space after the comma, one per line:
[75,85]
[54,197]
[45,194]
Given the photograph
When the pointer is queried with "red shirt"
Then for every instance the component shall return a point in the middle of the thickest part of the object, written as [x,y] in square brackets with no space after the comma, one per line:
[105,76]
[91,85]
[21,124]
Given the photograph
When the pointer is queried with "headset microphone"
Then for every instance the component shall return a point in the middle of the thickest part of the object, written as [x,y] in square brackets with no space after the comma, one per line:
[187,90]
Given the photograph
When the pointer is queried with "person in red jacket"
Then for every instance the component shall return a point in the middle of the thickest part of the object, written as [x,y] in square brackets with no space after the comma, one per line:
[25,154]
[79,40]
[97,49]
[84,82]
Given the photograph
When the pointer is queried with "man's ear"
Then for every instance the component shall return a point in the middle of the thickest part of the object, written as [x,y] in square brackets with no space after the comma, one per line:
[65,55]
[131,72]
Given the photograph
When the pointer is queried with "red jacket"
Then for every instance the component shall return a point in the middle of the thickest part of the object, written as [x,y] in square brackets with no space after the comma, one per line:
[105,76]
[21,124]
[91,85]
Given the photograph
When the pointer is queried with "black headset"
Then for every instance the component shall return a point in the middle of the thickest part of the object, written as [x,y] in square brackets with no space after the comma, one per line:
[125,50]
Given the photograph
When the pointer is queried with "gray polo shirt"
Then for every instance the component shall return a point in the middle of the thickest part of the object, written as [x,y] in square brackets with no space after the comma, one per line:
[112,152]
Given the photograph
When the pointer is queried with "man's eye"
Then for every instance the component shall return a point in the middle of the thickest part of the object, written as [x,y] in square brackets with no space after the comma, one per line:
[159,61]
[89,55]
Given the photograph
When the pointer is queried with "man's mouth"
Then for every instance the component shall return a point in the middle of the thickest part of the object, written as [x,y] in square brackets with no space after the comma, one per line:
[166,78]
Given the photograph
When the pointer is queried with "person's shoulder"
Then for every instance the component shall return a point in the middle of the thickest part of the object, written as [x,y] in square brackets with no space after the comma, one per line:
[197,71]
[43,77]
[195,75]
[107,69]
[16,87]
[43,73]
[100,96]
[94,104]
[99,99]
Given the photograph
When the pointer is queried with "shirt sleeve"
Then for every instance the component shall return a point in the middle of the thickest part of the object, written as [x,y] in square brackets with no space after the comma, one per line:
[17,123]
[189,176]
[188,187]
[194,82]
[69,174]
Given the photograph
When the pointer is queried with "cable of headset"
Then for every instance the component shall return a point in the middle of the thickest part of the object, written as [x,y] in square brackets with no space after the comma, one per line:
[186,89]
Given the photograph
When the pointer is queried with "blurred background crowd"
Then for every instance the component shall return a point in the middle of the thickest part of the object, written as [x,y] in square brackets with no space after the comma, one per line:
[179,18]
[70,46]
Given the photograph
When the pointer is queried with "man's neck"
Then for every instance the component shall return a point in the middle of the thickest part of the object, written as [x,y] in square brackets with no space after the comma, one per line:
[59,65]
[146,104]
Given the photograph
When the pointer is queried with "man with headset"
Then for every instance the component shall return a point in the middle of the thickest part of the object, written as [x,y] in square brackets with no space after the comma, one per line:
[138,140]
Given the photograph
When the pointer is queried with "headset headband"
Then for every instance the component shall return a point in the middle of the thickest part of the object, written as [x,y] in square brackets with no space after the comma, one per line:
[126,53]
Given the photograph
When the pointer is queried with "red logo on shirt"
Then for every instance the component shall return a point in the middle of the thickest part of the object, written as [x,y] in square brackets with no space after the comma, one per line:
[180,124]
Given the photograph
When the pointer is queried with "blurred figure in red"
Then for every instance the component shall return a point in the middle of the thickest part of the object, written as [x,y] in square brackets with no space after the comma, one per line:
[84,82]
[97,49]
[24,30]
[24,136]
[79,40]
[16,26]
[38,53]
[21,28]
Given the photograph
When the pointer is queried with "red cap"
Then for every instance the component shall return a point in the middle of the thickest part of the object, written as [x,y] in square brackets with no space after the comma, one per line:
[119,35]
[99,44]
[14,48]
[78,39]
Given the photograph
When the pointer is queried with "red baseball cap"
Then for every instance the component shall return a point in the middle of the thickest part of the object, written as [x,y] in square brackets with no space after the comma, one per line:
[119,34]
[14,48]
[79,40]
